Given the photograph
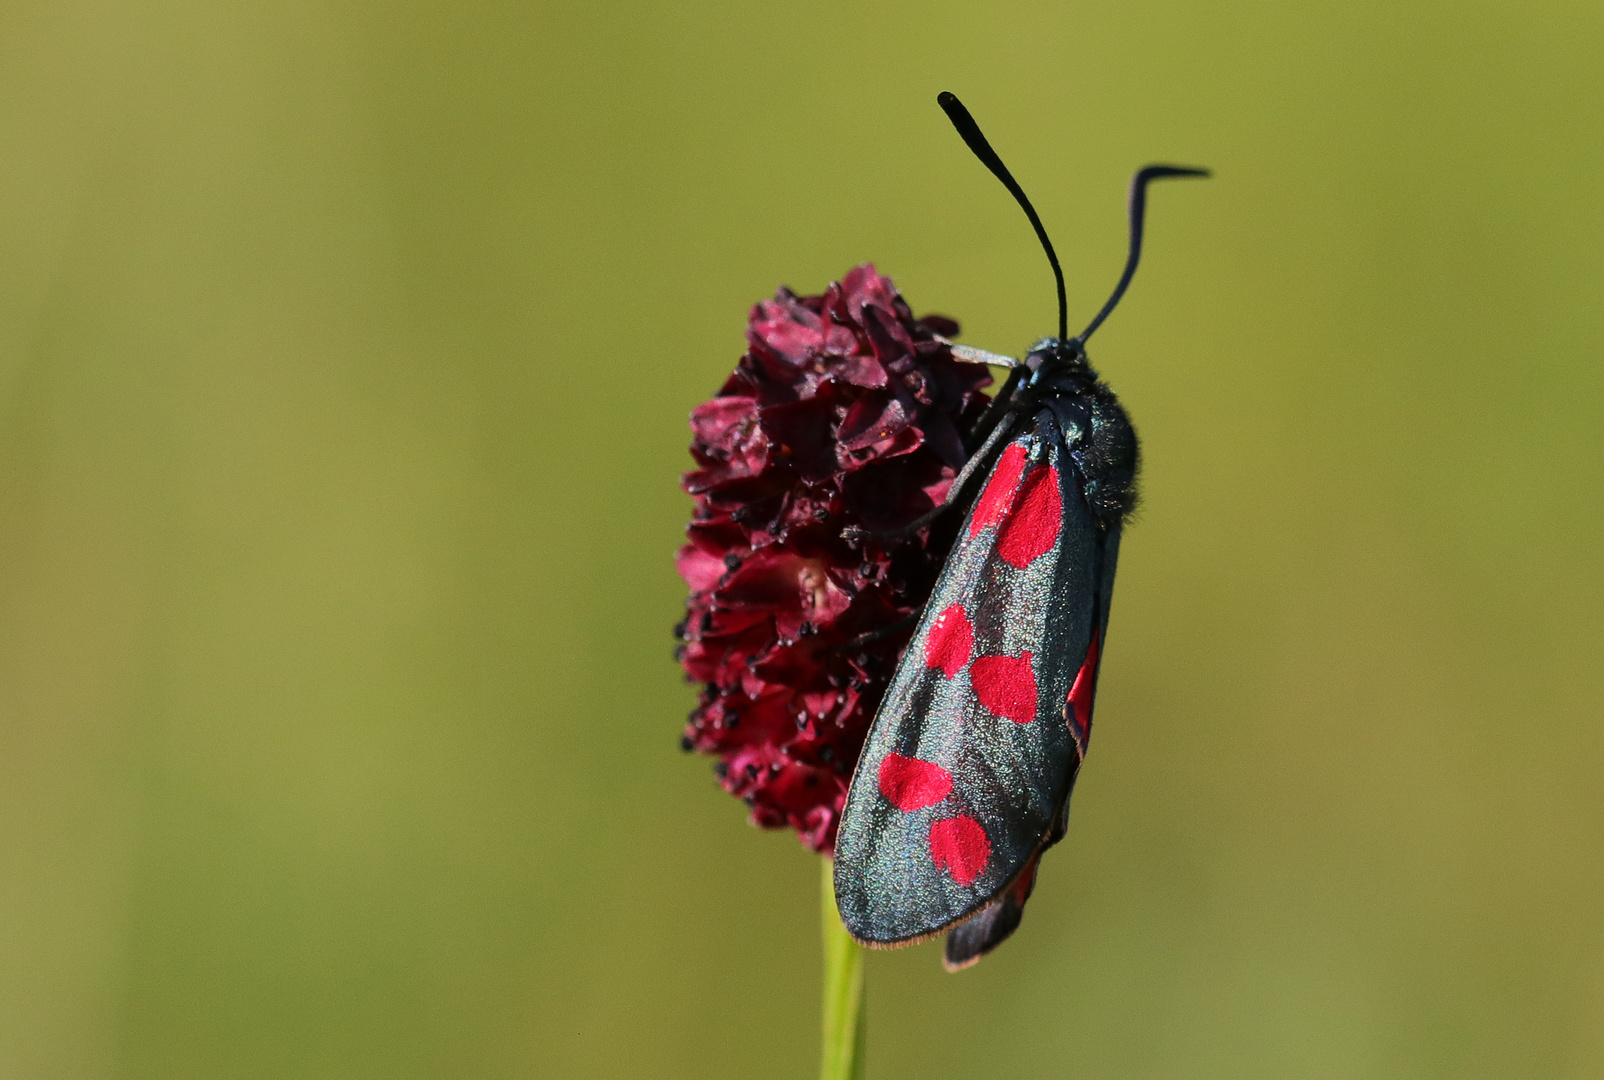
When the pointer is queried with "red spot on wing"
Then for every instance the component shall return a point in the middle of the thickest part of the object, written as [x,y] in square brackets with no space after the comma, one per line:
[950,641]
[1031,530]
[912,784]
[1006,686]
[999,494]
[1084,690]
[959,846]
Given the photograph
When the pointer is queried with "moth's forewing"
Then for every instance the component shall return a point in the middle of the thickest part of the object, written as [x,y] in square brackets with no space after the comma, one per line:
[969,761]
[988,928]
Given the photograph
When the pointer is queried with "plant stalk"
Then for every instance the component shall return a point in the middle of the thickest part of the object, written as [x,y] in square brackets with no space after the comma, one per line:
[844,1027]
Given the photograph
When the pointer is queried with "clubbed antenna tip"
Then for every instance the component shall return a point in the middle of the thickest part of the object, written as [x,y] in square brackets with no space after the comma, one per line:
[1138,212]
[982,149]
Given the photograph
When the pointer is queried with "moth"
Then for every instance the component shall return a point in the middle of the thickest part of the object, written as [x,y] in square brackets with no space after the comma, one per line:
[965,777]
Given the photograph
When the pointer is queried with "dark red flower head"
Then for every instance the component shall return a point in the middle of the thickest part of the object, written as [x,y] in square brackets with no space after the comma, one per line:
[844,411]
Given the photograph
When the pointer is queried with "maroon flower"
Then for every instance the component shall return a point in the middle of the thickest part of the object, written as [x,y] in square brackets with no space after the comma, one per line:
[843,411]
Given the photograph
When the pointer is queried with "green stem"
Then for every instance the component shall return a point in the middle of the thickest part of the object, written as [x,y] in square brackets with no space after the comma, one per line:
[844,1029]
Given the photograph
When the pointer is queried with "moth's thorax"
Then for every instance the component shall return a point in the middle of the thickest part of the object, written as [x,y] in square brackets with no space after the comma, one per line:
[1059,367]
[1102,442]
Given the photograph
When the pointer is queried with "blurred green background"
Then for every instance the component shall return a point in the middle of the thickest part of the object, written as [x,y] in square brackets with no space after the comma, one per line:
[345,351]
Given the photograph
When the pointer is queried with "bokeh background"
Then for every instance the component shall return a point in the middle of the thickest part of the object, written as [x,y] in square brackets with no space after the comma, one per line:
[345,350]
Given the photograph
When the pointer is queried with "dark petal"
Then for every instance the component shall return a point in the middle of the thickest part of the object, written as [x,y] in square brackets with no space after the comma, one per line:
[799,308]
[700,663]
[775,374]
[700,569]
[765,518]
[760,724]
[945,387]
[940,324]
[806,531]
[814,597]
[745,491]
[863,286]
[727,624]
[918,384]
[801,435]
[741,450]
[874,418]
[724,422]
[970,378]
[846,339]
[820,704]
[861,370]
[941,435]
[905,441]
[884,494]
[739,384]
[716,536]
[792,331]
[872,610]
[833,305]
[817,830]
[770,579]
[890,338]
[717,474]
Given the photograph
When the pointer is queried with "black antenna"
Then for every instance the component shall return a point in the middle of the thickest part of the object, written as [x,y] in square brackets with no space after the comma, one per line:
[1139,184]
[977,142]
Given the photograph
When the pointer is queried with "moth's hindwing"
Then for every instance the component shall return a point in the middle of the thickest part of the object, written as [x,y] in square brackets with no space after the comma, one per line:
[969,762]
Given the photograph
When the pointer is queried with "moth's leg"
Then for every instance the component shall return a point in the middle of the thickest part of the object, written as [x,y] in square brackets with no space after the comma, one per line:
[1001,399]
[881,634]
[971,355]
[1001,403]
[955,493]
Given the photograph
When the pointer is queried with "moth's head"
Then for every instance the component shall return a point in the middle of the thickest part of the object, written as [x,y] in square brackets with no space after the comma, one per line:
[1059,364]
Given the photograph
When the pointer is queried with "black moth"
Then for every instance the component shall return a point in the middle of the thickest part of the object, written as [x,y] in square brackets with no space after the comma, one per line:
[965,778]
